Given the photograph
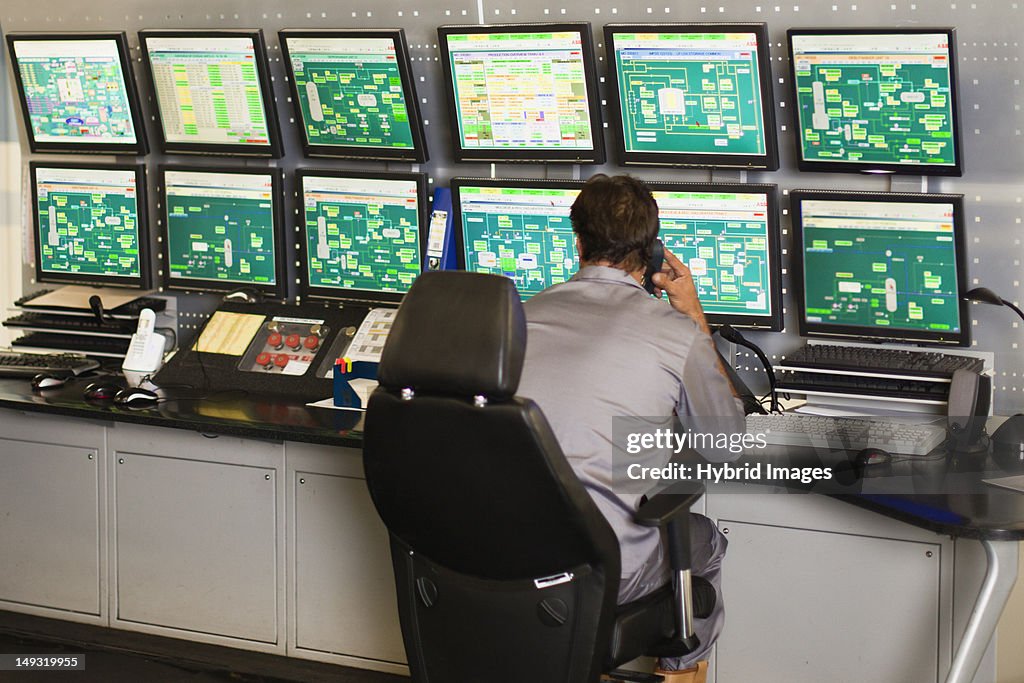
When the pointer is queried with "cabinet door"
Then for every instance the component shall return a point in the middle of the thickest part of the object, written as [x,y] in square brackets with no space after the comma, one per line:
[809,606]
[196,545]
[50,519]
[344,585]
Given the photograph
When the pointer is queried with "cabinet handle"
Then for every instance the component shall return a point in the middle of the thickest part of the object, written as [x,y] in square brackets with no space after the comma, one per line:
[302,481]
[120,461]
[267,477]
[89,455]
[725,530]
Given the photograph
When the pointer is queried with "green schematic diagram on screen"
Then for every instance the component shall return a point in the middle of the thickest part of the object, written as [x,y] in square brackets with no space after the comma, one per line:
[521,233]
[88,222]
[723,240]
[361,233]
[220,227]
[690,93]
[880,265]
[351,92]
[875,99]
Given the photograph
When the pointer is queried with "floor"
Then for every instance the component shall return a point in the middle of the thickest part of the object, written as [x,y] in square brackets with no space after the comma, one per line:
[112,666]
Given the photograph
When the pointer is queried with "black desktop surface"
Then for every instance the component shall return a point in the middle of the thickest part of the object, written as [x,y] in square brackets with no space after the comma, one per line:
[207,411]
[986,513]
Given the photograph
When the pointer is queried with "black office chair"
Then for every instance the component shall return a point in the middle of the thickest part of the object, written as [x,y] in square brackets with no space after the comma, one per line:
[505,568]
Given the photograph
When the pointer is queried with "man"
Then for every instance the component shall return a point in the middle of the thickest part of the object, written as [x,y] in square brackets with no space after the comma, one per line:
[599,346]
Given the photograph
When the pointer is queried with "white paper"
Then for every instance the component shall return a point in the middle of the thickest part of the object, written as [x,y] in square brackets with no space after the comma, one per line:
[368,344]
[1011,483]
[363,388]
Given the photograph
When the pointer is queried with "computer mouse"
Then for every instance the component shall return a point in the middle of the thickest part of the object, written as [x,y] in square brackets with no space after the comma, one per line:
[135,397]
[101,391]
[873,456]
[45,380]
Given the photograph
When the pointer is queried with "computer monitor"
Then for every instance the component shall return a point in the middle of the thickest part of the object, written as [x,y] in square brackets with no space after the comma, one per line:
[222,229]
[362,235]
[692,95]
[887,266]
[728,235]
[522,92]
[90,224]
[354,93]
[77,93]
[212,91]
[516,228]
[876,100]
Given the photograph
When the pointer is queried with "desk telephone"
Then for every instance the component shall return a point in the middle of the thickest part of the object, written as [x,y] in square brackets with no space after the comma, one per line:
[146,350]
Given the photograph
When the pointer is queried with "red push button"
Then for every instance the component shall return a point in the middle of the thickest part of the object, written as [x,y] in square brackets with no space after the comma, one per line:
[312,342]
[264,359]
[281,360]
[294,341]
[274,340]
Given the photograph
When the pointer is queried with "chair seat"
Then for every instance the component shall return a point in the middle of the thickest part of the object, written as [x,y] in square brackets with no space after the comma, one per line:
[640,623]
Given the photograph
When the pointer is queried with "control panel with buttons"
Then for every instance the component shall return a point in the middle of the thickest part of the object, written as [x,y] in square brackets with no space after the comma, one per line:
[287,346]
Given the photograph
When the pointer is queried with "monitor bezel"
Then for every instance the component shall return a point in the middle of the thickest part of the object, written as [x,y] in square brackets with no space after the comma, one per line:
[419,152]
[278,290]
[307,290]
[803,164]
[769,161]
[274,150]
[859,333]
[143,281]
[595,155]
[773,322]
[522,183]
[138,148]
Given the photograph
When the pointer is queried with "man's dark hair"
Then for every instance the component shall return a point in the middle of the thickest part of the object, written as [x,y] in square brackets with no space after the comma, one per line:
[616,220]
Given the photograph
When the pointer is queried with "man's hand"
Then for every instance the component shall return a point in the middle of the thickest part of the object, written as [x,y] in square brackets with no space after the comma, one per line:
[676,281]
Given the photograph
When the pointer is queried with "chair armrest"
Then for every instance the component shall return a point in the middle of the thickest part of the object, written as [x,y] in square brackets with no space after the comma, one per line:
[663,507]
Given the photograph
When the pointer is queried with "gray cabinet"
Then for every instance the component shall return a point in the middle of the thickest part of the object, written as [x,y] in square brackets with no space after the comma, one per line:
[819,590]
[339,560]
[844,617]
[51,527]
[197,543]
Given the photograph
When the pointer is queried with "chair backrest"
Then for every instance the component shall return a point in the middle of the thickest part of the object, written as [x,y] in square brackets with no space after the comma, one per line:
[488,521]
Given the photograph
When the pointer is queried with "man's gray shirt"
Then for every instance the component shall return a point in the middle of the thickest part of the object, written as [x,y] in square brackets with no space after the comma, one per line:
[598,347]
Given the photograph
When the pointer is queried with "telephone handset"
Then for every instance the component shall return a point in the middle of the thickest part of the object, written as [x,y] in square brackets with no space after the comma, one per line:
[146,350]
[654,265]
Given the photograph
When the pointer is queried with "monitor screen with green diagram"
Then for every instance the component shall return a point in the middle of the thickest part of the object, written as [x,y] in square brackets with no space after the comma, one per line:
[728,237]
[876,100]
[693,94]
[354,93]
[88,226]
[77,92]
[519,229]
[221,230]
[361,233]
[882,266]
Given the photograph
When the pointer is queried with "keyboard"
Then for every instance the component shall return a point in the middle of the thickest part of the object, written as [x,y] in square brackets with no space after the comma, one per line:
[71,323]
[847,433]
[104,346]
[879,361]
[815,383]
[31,364]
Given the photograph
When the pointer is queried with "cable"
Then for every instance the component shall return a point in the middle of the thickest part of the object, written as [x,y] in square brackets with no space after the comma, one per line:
[729,334]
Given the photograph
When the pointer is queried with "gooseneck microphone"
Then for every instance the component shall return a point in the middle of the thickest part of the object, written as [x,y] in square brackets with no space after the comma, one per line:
[96,306]
[728,333]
